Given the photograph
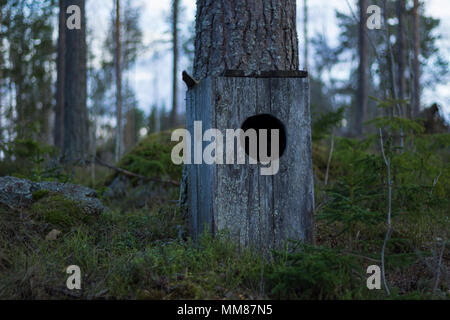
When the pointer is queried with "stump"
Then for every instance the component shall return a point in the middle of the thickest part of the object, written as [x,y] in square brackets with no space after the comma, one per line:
[258,211]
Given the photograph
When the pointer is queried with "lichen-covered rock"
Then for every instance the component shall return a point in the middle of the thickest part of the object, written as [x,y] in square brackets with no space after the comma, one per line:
[18,193]
[15,192]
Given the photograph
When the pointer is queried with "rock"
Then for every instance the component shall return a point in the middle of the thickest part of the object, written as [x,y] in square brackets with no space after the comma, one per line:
[15,192]
[53,235]
[118,187]
[18,193]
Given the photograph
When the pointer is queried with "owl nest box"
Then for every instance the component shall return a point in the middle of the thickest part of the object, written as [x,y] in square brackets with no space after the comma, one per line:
[260,211]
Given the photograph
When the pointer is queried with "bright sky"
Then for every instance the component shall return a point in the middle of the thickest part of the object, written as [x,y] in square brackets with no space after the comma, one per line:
[152,77]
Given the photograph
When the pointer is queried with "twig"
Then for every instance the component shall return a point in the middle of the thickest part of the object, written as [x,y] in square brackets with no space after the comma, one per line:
[134,175]
[360,256]
[435,181]
[388,232]
[438,271]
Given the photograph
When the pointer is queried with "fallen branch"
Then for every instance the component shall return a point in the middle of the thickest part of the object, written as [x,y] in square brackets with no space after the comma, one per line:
[134,175]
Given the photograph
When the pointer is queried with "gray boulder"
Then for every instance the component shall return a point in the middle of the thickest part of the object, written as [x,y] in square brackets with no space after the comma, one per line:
[18,193]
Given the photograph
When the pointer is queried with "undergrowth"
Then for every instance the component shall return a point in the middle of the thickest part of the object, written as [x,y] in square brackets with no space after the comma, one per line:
[146,253]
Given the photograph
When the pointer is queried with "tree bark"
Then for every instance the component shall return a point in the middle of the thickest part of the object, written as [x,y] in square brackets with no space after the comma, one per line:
[59,112]
[401,47]
[119,133]
[75,90]
[173,113]
[250,35]
[416,62]
[1,74]
[305,31]
[362,100]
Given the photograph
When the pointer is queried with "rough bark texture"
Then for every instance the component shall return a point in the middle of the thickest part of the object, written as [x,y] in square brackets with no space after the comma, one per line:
[249,35]
[363,95]
[416,62]
[259,211]
[59,112]
[75,110]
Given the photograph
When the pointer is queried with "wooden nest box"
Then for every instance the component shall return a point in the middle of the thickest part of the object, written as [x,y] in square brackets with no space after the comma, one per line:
[260,211]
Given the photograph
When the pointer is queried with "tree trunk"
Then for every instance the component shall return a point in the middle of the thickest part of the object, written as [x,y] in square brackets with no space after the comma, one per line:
[75,90]
[119,133]
[1,75]
[237,45]
[401,47]
[59,112]
[361,109]
[250,35]
[305,31]
[416,62]
[173,113]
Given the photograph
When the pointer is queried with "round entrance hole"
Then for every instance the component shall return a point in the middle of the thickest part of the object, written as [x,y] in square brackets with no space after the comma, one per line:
[269,122]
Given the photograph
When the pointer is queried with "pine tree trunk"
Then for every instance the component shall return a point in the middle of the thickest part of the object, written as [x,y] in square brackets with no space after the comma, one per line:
[250,35]
[59,112]
[75,90]
[416,62]
[401,46]
[119,133]
[247,39]
[1,75]
[361,109]
[173,113]
[305,31]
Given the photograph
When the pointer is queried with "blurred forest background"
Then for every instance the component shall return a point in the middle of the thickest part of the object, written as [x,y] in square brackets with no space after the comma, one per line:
[380,149]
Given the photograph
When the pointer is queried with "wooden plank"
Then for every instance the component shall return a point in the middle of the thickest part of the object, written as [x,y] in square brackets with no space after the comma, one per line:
[293,185]
[235,100]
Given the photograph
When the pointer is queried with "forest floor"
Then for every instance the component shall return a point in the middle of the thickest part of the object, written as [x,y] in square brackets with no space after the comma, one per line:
[144,253]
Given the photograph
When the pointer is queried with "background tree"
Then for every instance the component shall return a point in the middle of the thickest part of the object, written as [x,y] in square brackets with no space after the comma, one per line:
[28,69]
[305,31]
[59,111]
[103,88]
[363,97]
[118,59]
[175,50]
[378,65]
[75,90]
[416,62]
[401,54]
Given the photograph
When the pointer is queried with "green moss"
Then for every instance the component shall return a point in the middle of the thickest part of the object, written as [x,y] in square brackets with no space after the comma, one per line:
[59,211]
[151,157]
[38,195]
